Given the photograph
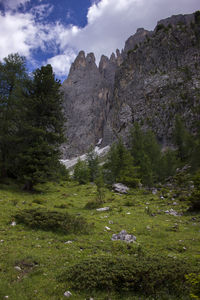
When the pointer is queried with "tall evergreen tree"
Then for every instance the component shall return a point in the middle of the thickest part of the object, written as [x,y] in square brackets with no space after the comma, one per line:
[120,166]
[12,82]
[183,140]
[42,129]
[93,164]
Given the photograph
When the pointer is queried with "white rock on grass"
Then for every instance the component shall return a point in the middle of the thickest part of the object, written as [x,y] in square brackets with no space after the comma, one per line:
[107,228]
[172,212]
[17,268]
[13,223]
[103,209]
[68,294]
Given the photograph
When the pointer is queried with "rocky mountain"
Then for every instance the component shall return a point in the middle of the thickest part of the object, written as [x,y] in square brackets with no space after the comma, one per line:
[155,77]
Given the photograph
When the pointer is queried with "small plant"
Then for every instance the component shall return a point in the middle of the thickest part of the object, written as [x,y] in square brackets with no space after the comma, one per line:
[195,196]
[92,204]
[194,282]
[52,221]
[39,201]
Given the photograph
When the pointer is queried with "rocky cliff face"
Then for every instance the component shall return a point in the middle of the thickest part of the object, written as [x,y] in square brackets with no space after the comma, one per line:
[87,92]
[156,77]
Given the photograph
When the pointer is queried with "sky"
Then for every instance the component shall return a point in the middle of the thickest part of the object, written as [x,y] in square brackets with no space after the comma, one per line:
[54,31]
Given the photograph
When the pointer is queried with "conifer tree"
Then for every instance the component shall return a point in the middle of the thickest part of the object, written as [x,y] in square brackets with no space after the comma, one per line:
[93,164]
[12,82]
[120,166]
[146,154]
[81,172]
[42,129]
[183,140]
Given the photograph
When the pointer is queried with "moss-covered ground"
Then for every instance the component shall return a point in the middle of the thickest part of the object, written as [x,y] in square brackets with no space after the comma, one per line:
[31,260]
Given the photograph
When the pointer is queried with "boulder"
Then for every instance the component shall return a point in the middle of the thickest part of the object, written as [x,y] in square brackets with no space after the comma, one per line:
[124,236]
[120,188]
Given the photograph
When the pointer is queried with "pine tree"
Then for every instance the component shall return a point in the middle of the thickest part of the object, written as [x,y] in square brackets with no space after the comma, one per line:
[41,130]
[183,140]
[12,82]
[120,166]
[81,172]
[93,164]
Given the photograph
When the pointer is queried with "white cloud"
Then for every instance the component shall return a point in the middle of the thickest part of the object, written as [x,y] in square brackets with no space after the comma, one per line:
[15,32]
[13,4]
[21,33]
[62,63]
[111,22]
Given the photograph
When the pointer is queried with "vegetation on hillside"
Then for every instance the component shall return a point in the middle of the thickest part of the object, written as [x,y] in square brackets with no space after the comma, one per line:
[31,122]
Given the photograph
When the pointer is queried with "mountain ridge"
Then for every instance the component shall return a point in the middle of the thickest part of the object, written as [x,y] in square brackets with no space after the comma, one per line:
[156,74]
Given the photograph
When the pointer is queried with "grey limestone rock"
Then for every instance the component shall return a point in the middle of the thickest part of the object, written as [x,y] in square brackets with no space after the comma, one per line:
[123,236]
[120,188]
[149,84]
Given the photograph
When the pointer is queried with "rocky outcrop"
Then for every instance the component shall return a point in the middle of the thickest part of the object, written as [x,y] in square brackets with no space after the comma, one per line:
[156,77]
[158,80]
[87,91]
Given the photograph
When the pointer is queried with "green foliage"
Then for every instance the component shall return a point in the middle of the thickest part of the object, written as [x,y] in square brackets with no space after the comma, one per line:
[81,172]
[12,83]
[168,164]
[120,166]
[145,275]
[41,129]
[195,196]
[194,282]
[52,221]
[100,193]
[93,164]
[100,187]
[183,140]
[146,154]
[31,121]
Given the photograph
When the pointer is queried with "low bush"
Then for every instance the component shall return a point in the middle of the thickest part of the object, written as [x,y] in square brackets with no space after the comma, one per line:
[52,221]
[194,282]
[93,204]
[195,196]
[144,275]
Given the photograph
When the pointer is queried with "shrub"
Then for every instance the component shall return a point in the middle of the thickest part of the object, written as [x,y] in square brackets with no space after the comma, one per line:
[52,221]
[93,204]
[195,196]
[194,282]
[146,275]
[81,172]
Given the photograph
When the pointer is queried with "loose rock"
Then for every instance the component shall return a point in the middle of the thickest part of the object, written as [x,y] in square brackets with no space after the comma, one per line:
[68,294]
[123,236]
[120,188]
[103,208]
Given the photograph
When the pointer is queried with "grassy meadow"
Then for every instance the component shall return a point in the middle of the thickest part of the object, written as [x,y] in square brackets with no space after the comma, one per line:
[33,262]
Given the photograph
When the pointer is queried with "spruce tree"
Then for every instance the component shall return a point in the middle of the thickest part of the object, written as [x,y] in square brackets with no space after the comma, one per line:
[146,154]
[81,172]
[12,83]
[42,129]
[93,164]
[120,166]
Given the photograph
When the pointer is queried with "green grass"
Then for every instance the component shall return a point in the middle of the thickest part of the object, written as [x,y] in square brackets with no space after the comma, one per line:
[44,255]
